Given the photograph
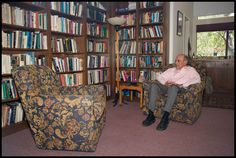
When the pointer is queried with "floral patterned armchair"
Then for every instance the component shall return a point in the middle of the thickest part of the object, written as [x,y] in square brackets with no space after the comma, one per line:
[187,107]
[60,118]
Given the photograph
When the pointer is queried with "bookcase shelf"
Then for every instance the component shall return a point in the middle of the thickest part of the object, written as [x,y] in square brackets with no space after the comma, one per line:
[28,6]
[18,27]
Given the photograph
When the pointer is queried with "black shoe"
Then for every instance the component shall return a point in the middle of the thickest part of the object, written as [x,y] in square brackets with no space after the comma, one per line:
[162,125]
[150,119]
[164,122]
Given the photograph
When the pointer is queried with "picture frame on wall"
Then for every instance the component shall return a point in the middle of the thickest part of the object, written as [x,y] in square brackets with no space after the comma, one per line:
[179,23]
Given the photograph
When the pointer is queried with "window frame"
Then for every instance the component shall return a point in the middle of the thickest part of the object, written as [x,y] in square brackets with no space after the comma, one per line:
[217,27]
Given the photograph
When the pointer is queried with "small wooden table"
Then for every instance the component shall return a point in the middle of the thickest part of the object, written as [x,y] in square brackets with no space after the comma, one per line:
[126,86]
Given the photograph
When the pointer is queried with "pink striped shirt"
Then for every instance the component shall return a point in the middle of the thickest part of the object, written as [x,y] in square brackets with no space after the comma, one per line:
[185,76]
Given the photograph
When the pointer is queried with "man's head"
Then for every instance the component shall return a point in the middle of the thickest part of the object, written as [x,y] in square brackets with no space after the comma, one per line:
[181,60]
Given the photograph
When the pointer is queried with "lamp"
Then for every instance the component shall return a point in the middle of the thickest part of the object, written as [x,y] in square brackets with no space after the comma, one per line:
[117,21]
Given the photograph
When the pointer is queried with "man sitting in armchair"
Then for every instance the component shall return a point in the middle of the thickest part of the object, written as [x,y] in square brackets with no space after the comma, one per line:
[171,81]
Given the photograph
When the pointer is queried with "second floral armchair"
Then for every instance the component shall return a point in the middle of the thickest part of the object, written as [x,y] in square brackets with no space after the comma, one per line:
[187,107]
[60,118]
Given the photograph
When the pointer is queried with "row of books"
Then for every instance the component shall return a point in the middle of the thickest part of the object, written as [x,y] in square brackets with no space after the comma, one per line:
[8,89]
[11,113]
[131,6]
[65,25]
[151,47]
[68,45]
[150,61]
[127,47]
[151,17]
[15,60]
[21,17]
[71,8]
[149,4]
[130,19]
[97,61]
[96,4]
[148,75]
[128,61]
[127,33]
[27,58]
[96,15]
[97,76]
[74,79]
[94,29]
[67,64]
[93,46]
[121,10]
[108,89]
[151,32]
[43,4]
[24,39]
[128,76]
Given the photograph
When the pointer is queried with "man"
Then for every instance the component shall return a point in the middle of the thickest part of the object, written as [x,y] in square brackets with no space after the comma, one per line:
[171,81]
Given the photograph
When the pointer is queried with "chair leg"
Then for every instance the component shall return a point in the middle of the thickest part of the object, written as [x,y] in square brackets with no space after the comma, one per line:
[120,97]
[116,99]
[131,95]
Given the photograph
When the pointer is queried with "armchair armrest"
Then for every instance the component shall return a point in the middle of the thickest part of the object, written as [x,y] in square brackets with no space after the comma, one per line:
[195,88]
[191,98]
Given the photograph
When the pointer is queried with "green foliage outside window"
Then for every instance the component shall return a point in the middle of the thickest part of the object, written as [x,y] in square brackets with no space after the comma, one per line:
[214,43]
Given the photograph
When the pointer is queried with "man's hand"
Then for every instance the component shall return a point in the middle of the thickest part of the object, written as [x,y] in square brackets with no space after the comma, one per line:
[171,83]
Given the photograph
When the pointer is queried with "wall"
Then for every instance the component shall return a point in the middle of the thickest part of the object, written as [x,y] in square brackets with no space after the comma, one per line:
[210,8]
[192,10]
[176,43]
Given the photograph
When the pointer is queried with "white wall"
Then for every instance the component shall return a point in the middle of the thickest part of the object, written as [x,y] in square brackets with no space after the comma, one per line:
[192,10]
[176,43]
[210,8]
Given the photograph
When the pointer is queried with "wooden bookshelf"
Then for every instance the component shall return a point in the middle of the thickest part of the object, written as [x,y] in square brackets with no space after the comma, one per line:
[97,46]
[68,51]
[18,35]
[151,53]
[145,26]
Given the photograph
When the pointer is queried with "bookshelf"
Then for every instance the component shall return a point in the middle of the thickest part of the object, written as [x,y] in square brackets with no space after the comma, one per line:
[142,40]
[127,46]
[25,39]
[70,37]
[151,34]
[67,41]
[97,45]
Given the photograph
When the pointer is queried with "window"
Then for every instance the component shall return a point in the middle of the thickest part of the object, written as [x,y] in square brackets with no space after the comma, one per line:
[230,44]
[215,40]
